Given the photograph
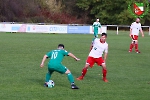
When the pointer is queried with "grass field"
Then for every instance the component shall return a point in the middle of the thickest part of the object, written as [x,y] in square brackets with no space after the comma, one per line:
[21,77]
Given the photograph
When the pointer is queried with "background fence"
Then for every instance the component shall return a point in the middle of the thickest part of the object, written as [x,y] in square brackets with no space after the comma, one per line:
[60,28]
[125,27]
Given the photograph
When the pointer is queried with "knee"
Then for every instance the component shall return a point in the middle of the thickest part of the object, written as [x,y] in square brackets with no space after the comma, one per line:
[67,72]
[135,41]
[86,66]
[104,66]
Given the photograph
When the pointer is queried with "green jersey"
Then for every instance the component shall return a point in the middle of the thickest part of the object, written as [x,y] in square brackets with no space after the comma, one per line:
[56,56]
[96,25]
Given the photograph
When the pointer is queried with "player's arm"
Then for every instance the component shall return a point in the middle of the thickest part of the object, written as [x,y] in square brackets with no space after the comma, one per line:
[131,29]
[142,32]
[130,32]
[91,46]
[100,28]
[73,56]
[106,54]
[93,27]
[43,60]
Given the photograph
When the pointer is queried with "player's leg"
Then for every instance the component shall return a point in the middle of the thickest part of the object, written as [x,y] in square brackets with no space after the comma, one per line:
[132,43]
[96,34]
[70,76]
[84,71]
[136,45]
[48,76]
[104,71]
[89,62]
[71,79]
[101,62]
[131,46]
[63,70]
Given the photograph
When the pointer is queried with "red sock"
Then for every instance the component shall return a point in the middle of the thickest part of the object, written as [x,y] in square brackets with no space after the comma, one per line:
[136,47]
[104,73]
[131,46]
[84,70]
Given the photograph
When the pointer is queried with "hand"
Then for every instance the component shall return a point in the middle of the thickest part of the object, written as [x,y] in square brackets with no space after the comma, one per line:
[77,59]
[42,65]
[142,35]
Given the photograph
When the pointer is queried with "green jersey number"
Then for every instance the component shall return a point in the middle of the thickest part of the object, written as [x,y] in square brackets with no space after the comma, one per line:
[54,55]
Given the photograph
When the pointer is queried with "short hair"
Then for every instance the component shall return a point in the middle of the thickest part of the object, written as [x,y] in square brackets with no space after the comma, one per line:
[61,45]
[104,34]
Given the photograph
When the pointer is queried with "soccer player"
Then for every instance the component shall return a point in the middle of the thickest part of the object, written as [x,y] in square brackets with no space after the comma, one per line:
[96,27]
[98,46]
[56,57]
[134,33]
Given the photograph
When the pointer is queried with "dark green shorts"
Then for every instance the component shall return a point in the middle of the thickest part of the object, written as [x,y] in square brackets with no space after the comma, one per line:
[57,67]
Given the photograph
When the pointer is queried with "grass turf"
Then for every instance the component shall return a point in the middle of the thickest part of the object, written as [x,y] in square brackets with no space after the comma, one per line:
[21,77]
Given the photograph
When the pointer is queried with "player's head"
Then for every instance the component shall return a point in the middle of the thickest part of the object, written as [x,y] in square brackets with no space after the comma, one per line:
[137,20]
[104,34]
[97,19]
[61,46]
[103,37]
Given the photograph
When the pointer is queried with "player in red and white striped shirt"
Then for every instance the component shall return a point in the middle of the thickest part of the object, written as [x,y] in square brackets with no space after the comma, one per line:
[134,33]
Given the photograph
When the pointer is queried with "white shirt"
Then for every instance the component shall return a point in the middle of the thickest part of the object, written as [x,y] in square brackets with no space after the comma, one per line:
[135,28]
[96,24]
[98,48]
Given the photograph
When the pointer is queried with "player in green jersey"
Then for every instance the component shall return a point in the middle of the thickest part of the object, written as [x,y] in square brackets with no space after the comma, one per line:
[56,57]
[96,27]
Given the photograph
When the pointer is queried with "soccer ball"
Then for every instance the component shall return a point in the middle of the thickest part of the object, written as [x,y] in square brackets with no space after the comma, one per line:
[51,84]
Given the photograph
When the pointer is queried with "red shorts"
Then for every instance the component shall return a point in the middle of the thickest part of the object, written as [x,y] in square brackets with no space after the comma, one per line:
[91,61]
[134,37]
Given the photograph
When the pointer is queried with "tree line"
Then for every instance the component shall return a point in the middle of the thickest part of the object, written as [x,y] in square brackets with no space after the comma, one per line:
[71,11]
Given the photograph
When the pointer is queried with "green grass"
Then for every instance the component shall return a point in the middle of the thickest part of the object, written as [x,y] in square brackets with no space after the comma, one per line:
[21,77]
